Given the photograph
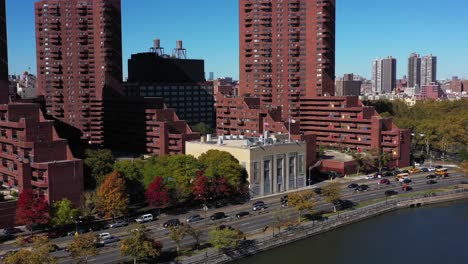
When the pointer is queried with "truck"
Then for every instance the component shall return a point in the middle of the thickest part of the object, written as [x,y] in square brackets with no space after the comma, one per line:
[401,176]
[441,172]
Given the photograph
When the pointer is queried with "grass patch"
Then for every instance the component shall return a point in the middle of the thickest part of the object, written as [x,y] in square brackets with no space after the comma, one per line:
[370,202]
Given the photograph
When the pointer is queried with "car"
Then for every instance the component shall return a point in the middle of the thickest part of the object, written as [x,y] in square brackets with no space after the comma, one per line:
[406,188]
[362,188]
[97,226]
[407,180]
[431,182]
[424,169]
[414,170]
[368,177]
[104,235]
[431,176]
[260,205]
[11,231]
[404,171]
[431,169]
[171,223]
[438,167]
[6,237]
[417,164]
[390,193]
[55,234]
[353,185]
[242,214]
[318,190]
[218,215]
[342,204]
[384,181]
[194,218]
[378,175]
[118,223]
[144,218]
[109,240]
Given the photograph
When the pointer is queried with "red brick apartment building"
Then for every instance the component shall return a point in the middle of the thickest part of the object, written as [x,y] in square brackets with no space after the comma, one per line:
[286,47]
[79,60]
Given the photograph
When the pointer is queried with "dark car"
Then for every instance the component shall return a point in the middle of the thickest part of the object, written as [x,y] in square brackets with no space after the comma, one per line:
[424,170]
[194,218]
[56,234]
[119,223]
[6,237]
[390,193]
[431,182]
[171,222]
[431,176]
[389,174]
[318,190]
[362,188]
[384,181]
[405,171]
[242,214]
[11,231]
[406,181]
[343,204]
[353,185]
[260,205]
[97,226]
[218,215]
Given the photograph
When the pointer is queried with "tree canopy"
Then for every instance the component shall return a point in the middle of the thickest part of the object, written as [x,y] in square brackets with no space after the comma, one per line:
[302,201]
[98,163]
[217,164]
[225,238]
[83,247]
[139,245]
[111,197]
[64,213]
[31,210]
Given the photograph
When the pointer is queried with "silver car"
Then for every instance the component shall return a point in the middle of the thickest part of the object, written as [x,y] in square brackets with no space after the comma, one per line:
[194,218]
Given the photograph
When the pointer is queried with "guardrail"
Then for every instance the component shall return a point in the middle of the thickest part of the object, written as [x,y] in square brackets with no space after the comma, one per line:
[305,230]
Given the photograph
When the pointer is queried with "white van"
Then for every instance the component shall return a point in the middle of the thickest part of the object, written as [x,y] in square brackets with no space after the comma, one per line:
[144,218]
[103,236]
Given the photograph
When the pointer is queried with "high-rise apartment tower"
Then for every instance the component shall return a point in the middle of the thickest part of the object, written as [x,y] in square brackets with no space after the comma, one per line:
[287,48]
[79,60]
[3,56]
[384,75]
[414,71]
[428,70]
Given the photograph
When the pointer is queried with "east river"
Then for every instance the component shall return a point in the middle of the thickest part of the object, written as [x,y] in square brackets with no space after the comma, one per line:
[428,235]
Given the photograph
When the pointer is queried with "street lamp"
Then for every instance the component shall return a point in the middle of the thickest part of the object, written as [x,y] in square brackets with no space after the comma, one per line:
[76,225]
[205,209]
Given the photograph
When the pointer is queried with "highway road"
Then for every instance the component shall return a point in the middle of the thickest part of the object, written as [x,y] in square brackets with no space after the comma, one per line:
[257,220]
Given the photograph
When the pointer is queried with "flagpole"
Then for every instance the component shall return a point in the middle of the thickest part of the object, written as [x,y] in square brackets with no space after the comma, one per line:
[289,129]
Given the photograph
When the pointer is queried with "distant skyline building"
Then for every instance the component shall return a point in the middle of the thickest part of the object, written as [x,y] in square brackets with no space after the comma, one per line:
[79,60]
[348,86]
[414,71]
[4,89]
[287,48]
[428,69]
[384,75]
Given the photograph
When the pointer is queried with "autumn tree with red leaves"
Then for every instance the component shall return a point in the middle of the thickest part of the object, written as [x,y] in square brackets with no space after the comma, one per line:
[221,188]
[201,187]
[158,194]
[31,209]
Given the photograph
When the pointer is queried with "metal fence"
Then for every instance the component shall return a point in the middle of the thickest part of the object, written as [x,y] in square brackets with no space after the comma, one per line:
[306,230]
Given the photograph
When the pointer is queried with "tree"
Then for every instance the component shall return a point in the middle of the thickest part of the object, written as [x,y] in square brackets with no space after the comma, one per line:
[64,213]
[98,163]
[132,171]
[31,210]
[360,159]
[217,164]
[88,204]
[332,192]
[302,201]
[178,172]
[226,238]
[195,233]
[38,254]
[83,247]
[379,158]
[139,245]
[221,188]
[463,168]
[201,187]
[157,194]
[202,128]
[177,234]
[280,219]
[111,197]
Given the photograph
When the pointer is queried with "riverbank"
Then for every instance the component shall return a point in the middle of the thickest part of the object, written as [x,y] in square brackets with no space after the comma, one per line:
[314,228]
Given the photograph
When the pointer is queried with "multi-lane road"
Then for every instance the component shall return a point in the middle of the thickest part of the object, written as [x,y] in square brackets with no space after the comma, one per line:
[257,220]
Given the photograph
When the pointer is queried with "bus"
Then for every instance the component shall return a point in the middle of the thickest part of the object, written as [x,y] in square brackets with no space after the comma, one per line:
[442,172]
[401,175]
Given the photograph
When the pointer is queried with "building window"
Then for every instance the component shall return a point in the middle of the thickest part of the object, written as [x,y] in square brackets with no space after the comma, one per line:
[279,173]
[266,177]
[301,164]
[291,173]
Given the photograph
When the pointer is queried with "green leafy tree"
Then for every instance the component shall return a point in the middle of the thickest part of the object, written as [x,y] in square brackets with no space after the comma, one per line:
[302,201]
[98,163]
[202,128]
[64,213]
[177,234]
[332,192]
[88,204]
[178,172]
[226,238]
[132,171]
[111,197]
[39,253]
[83,247]
[140,246]
[217,164]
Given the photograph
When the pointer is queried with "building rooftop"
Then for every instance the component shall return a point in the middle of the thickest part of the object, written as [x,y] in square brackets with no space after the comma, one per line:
[244,142]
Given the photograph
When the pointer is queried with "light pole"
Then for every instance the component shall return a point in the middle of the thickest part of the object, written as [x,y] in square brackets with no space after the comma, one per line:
[205,209]
[76,225]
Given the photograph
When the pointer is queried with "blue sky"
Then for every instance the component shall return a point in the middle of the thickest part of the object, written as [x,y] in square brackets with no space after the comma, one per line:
[366,29]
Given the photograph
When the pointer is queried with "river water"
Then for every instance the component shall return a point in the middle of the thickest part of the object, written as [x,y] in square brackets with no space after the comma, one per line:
[428,235]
